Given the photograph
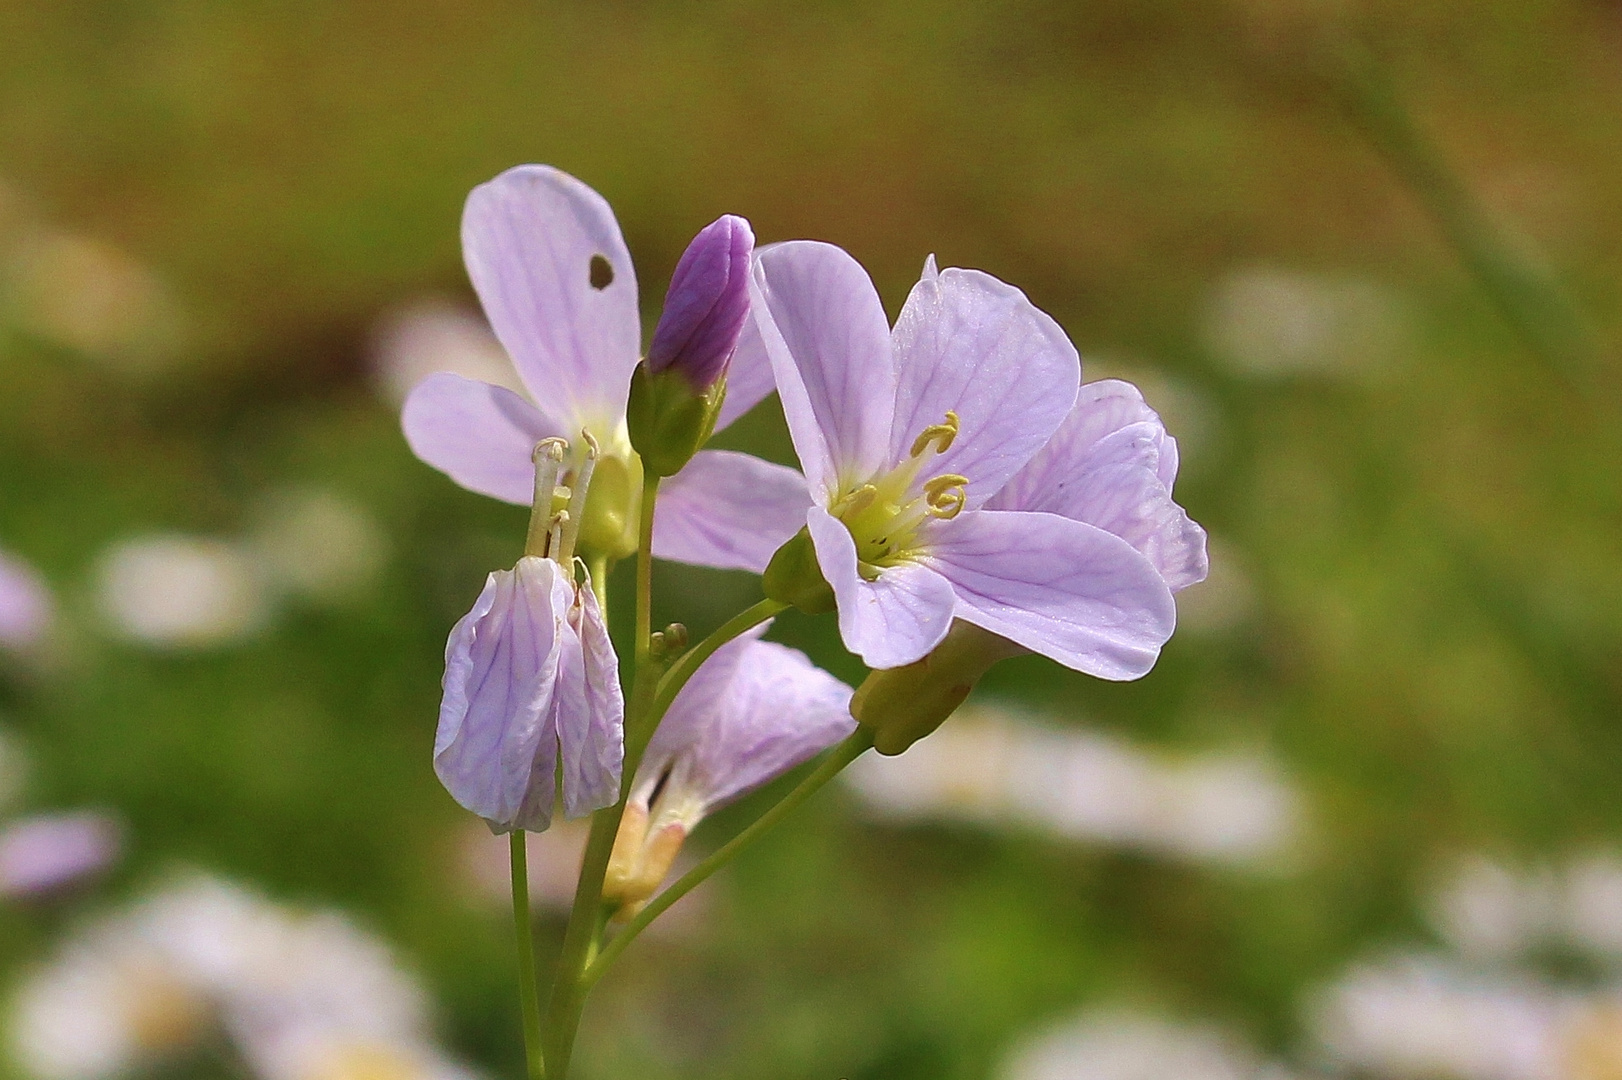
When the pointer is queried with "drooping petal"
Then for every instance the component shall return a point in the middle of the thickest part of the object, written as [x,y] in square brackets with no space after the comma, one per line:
[591,713]
[479,435]
[550,266]
[728,510]
[780,710]
[749,376]
[1111,464]
[892,620]
[1063,588]
[824,329]
[495,750]
[973,345]
[692,714]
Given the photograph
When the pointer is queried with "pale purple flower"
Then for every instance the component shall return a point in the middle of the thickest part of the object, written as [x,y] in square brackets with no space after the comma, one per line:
[546,256]
[751,712]
[707,305]
[1111,464]
[530,676]
[45,852]
[25,603]
[905,435]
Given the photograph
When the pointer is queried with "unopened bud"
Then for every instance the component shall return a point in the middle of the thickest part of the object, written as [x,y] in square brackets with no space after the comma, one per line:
[706,305]
[668,642]
[902,705]
[793,577]
[676,393]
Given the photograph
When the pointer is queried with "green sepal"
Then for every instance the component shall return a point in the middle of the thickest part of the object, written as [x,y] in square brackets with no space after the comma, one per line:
[902,705]
[668,420]
[794,578]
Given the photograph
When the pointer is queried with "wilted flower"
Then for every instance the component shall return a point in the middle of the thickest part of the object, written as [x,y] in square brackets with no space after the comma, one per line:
[175,591]
[530,675]
[549,264]
[753,711]
[905,436]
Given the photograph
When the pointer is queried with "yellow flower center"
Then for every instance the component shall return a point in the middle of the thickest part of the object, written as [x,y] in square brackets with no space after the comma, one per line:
[884,513]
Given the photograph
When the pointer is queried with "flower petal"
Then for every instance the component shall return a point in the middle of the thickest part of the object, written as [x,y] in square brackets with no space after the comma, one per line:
[495,750]
[692,714]
[591,714]
[892,620]
[728,510]
[1111,464]
[778,711]
[1102,408]
[829,343]
[973,345]
[749,376]
[1065,589]
[479,435]
[550,266]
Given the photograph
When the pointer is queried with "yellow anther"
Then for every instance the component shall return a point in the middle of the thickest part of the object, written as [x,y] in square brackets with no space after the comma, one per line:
[856,501]
[942,435]
[592,449]
[946,496]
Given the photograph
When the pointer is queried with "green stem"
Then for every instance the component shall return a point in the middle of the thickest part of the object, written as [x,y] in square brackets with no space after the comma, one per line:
[842,755]
[529,998]
[1526,293]
[580,939]
[597,568]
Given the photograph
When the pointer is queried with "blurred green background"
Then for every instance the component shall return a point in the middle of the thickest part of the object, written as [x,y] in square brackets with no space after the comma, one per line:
[1416,606]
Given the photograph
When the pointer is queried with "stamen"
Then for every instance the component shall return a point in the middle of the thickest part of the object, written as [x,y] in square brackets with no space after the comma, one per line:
[579,484]
[548,459]
[942,435]
[554,539]
[946,496]
[856,501]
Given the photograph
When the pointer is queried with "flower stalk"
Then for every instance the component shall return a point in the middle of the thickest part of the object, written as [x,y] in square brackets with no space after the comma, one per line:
[528,990]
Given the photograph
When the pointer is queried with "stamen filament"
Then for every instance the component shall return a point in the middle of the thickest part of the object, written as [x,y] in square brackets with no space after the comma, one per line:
[548,459]
[578,489]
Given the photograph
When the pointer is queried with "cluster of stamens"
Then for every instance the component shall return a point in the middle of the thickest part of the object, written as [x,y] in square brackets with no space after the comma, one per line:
[884,513]
[562,478]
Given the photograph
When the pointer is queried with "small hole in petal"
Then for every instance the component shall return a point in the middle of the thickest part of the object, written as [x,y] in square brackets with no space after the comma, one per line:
[602,273]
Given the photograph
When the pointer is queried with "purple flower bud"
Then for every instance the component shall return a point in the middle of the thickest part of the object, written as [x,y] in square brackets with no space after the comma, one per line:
[707,304]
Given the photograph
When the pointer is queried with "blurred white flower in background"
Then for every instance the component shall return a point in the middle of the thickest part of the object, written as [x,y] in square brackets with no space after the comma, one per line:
[26,608]
[433,334]
[992,766]
[1268,321]
[298,996]
[1119,1045]
[319,544]
[1487,909]
[1421,1016]
[90,296]
[177,591]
